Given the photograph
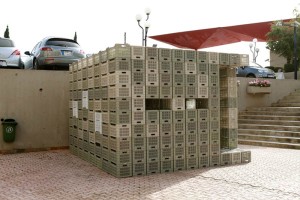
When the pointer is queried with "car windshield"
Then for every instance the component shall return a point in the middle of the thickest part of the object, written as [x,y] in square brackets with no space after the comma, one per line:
[61,42]
[6,43]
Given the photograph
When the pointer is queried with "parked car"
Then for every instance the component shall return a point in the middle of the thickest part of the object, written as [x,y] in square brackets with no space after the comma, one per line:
[10,56]
[54,53]
[255,72]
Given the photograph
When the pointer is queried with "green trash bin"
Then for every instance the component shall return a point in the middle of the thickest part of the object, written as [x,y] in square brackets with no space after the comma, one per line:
[9,130]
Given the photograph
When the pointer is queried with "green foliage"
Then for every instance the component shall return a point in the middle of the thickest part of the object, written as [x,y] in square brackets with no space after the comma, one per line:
[280,40]
[6,33]
[289,67]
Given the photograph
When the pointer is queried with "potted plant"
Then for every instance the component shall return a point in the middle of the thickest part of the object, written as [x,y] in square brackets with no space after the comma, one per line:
[259,86]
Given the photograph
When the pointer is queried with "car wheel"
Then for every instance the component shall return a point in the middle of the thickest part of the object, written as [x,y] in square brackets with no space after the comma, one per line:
[36,65]
[251,76]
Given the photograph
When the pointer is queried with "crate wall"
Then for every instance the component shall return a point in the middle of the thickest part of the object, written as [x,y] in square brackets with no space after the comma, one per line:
[192,124]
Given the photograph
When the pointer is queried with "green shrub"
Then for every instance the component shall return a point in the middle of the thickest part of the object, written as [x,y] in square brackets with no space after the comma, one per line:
[288,67]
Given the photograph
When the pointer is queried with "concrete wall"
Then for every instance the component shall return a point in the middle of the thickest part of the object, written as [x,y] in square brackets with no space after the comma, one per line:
[279,89]
[38,101]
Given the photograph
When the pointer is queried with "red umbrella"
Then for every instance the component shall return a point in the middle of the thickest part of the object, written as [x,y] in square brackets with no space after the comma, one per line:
[204,38]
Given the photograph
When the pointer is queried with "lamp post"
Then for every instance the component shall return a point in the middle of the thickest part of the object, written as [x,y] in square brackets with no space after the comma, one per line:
[255,50]
[147,26]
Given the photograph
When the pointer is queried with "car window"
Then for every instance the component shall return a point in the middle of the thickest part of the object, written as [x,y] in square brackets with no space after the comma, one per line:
[61,42]
[35,47]
[6,43]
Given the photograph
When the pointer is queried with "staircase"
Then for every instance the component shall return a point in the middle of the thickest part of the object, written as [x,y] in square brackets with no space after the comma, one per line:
[274,126]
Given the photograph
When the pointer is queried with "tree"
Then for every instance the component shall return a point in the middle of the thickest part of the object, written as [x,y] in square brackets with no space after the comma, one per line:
[6,33]
[280,40]
[75,36]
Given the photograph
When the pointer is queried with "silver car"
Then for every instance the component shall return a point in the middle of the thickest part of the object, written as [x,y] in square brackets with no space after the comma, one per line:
[255,72]
[55,53]
[10,56]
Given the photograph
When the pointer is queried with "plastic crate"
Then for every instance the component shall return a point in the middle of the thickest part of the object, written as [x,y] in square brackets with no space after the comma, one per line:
[179,116]
[104,80]
[179,140]
[152,79]
[139,156]
[192,163]
[138,52]
[152,92]
[152,130]
[165,79]
[120,117]
[105,153]
[105,165]
[165,92]
[191,79]
[178,128]
[85,84]
[120,157]
[213,81]
[214,135]
[153,142]
[202,80]
[138,91]
[225,158]
[178,92]
[235,156]
[152,66]
[202,57]
[166,154]
[152,53]
[214,147]
[214,91]
[224,59]
[178,67]
[214,160]
[191,139]
[121,171]
[138,104]
[179,164]
[104,68]
[120,144]
[191,151]
[203,138]
[203,150]
[91,72]
[152,116]
[178,104]
[139,143]
[105,141]
[214,102]
[153,167]
[120,104]
[229,143]
[105,128]
[202,68]
[119,78]
[214,125]
[138,78]
[165,67]
[119,64]
[97,70]
[165,129]
[229,92]
[105,105]
[190,56]
[119,51]
[138,130]
[139,169]
[120,130]
[165,116]
[165,54]
[119,91]
[203,161]
[153,155]
[167,166]
[179,152]
[229,133]
[213,58]
[190,68]
[227,72]
[138,117]
[191,115]
[191,92]
[214,114]
[178,80]
[245,156]
[166,141]
[137,65]
[178,55]
[191,127]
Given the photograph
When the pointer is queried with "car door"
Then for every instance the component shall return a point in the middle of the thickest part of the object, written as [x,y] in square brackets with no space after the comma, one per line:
[29,56]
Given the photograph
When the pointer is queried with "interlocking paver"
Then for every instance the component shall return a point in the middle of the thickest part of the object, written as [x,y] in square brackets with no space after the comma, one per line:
[272,174]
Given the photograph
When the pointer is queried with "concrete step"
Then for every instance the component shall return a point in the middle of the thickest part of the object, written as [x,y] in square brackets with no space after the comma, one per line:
[269,144]
[270,117]
[269,127]
[275,109]
[291,97]
[274,133]
[286,104]
[282,113]
[281,139]
[268,122]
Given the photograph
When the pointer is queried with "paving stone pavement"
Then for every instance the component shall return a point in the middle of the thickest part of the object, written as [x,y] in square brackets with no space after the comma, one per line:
[58,175]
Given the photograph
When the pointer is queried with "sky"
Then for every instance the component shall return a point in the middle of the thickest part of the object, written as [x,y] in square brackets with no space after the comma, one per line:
[101,24]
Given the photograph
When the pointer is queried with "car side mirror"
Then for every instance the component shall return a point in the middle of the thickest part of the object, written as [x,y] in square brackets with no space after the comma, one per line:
[27,53]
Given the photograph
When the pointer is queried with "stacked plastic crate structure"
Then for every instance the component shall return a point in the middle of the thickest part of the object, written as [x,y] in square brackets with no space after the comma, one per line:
[143,110]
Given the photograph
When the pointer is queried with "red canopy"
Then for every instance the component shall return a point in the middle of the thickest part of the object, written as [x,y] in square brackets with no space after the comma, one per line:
[204,38]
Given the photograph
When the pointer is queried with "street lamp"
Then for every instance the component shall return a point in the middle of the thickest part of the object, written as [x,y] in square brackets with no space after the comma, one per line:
[147,26]
[255,50]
